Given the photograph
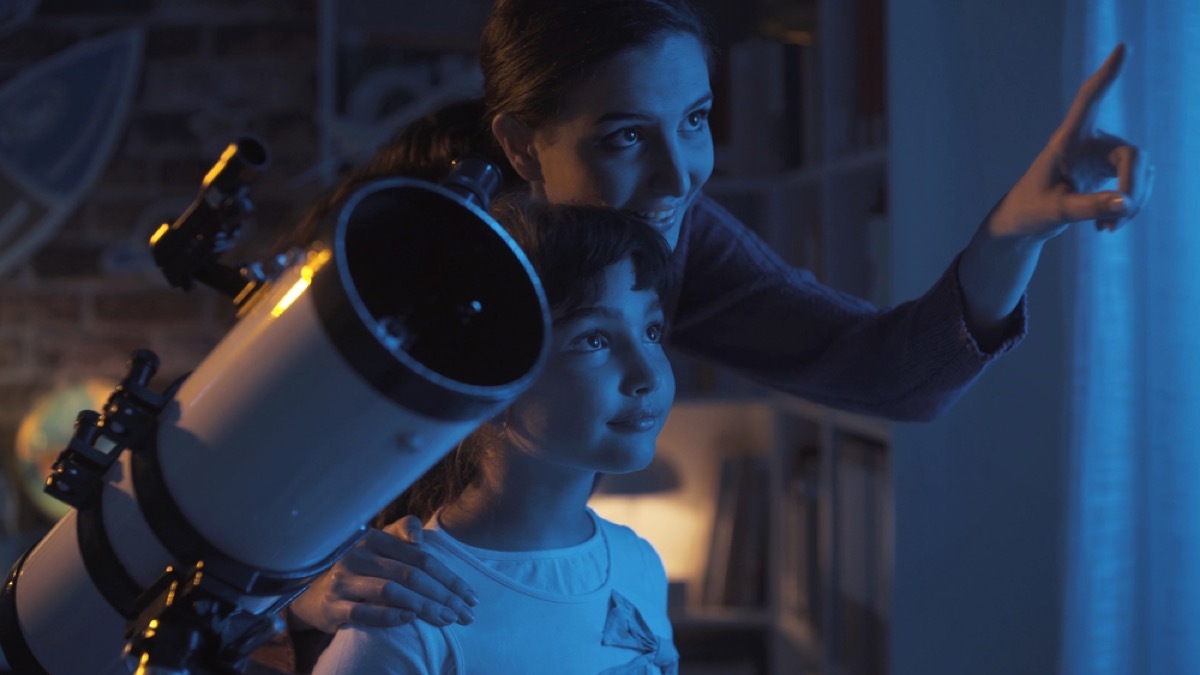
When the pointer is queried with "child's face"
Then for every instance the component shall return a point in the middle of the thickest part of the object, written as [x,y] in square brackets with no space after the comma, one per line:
[607,386]
[634,136]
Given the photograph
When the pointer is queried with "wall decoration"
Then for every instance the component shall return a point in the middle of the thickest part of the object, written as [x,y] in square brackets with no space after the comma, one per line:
[381,66]
[59,123]
[46,430]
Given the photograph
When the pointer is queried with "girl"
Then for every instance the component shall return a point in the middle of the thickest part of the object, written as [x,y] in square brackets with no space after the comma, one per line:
[606,102]
[562,590]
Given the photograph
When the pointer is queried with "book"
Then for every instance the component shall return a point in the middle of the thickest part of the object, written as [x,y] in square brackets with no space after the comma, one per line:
[721,544]
[863,560]
[745,584]
[800,535]
[870,92]
[755,107]
[737,563]
[798,122]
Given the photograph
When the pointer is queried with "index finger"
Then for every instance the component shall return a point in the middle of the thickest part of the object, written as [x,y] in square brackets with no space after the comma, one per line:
[407,529]
[1093,89]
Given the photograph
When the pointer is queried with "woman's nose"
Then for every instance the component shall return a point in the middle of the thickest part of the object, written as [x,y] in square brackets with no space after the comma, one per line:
[670,172]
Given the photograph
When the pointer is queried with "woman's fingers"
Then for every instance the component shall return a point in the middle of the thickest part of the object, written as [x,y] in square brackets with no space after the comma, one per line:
[1135,175]
[342,611]
[393,548]
[383,570]
[395,586]
[414,586]
[362,614]
[385,581]
[1123,158]
[407,529]
[1114,157]
[1063,184]
[431,602]
[1079,116]
[1097,206]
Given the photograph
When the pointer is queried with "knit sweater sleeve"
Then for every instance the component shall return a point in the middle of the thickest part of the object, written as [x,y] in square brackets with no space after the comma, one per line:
[735,302]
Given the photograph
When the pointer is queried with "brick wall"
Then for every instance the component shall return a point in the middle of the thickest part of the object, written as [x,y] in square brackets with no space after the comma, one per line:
[212,69]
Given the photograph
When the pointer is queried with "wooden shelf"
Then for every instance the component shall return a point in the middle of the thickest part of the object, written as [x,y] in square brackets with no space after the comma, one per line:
[798,633]
[722,617]
[870,427]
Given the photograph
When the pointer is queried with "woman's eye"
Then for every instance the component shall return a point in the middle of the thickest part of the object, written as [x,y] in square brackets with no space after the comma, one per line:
[654,332]
[623,138]
[589,342]
[697,119]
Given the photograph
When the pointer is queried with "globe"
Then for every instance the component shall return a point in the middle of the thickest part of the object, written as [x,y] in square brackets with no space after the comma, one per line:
[46,430]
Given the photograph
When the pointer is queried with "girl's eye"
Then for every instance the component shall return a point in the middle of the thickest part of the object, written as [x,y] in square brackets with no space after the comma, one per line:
[697,119]
[589,342]
[654,332]
[623,138]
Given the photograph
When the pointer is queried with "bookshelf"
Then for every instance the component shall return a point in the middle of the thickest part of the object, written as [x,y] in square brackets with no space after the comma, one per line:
[802,158]
[800,138]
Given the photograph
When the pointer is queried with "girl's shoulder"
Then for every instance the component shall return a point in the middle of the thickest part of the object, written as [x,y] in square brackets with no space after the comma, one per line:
[413,647]
[624,540]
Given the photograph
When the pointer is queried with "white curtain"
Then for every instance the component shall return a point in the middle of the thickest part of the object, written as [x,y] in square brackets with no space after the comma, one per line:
[1132,581]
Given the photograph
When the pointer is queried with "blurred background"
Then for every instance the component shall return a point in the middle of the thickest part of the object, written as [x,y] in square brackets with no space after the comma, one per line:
[864,139]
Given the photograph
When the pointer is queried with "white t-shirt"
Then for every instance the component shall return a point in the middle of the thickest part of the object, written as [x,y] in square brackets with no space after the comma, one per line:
[596,608]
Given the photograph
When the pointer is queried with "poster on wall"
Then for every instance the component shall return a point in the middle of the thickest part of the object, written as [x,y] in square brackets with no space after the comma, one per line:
[383,65]
[59,123]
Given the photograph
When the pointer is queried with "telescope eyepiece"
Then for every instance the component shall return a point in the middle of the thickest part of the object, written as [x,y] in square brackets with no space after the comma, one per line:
[240,163]
[475,179]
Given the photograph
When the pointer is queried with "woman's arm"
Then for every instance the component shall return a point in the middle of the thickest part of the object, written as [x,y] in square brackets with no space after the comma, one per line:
[1058,189]
[738,304]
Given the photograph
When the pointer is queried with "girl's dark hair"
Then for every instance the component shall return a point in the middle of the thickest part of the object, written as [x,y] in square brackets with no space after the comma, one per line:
[570,247]
[534,52]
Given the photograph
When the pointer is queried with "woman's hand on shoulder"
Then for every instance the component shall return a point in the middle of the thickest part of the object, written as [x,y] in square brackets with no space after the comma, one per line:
[1062,185]
[387,579]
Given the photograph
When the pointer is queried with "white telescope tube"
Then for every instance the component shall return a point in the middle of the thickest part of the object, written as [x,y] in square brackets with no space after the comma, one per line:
[342,382]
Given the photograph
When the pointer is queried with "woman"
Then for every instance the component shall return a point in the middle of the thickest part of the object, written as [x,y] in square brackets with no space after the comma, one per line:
[606,101]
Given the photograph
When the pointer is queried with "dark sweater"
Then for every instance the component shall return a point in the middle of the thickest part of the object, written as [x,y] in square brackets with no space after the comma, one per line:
[735,302]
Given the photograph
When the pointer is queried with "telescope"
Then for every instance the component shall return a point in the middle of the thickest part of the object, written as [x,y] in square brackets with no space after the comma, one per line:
[202,509]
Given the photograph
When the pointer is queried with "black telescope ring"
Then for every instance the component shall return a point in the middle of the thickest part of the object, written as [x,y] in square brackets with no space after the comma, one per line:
[390,377]
[108,574]
[348,322]
[187,546]
[12,639]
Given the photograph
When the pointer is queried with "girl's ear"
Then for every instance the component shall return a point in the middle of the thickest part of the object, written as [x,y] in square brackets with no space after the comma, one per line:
[516,139]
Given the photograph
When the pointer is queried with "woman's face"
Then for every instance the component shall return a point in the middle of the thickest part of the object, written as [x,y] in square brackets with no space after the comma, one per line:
[634,136]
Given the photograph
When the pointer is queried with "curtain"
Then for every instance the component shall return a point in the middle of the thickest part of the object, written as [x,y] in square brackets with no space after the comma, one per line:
[1132,578]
